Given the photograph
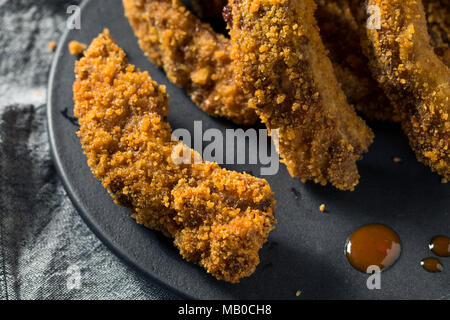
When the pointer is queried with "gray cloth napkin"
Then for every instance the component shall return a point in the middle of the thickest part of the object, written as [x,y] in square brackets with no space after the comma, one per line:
[46,250]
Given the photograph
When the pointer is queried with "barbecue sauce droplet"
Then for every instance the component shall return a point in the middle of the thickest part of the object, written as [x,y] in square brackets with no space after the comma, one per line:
[432,265]
[373,245]
[440,245]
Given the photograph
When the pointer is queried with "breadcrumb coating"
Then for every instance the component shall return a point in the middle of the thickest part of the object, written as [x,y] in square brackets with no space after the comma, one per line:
[282,63]
[219,219]
[438,20]
[52,46]
[414,78]
[340,34]
[192,54]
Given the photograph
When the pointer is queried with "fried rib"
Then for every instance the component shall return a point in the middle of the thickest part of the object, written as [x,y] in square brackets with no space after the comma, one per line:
[282,62]
[192,54]
[340,35]
[414,78]
[218,218]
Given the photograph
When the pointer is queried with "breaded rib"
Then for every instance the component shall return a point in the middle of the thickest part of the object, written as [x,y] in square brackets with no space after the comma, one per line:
[192,54]
[218,218]
[340,35]
[282,63]
[414,78]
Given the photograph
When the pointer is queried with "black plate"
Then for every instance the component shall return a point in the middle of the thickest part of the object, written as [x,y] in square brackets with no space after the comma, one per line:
[306,250]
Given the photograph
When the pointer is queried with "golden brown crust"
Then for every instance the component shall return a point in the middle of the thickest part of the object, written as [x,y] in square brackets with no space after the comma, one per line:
[218,218]
[281,61]
[438,20]
[192,54]
[414,78]
[340,34]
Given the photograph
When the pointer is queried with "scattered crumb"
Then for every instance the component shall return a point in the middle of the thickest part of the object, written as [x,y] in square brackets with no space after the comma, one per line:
[298,293]
[37,93]
[444,180]
[322,208]
[76,48]
[397,159]
[52,45]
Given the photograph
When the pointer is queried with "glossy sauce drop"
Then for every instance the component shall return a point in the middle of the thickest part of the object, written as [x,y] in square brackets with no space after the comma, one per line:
[373,245]
[440,245]
[432,265]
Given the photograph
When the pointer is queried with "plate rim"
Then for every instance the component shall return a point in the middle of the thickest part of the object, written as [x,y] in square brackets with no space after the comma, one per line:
[77,203]
[116,247]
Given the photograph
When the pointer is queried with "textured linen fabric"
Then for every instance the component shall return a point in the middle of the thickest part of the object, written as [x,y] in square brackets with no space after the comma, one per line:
[46,250]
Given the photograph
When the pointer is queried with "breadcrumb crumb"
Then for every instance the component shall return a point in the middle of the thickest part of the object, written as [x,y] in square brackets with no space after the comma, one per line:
[76,48]
[397,159]
[320,142]
[340,34]
[322,208]
[52,45]
[414,78]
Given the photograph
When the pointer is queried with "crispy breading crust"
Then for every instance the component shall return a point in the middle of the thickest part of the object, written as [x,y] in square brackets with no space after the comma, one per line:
[192,54]
[340,34]
[413,77]
[218,218]
[438,20]
[281,61]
